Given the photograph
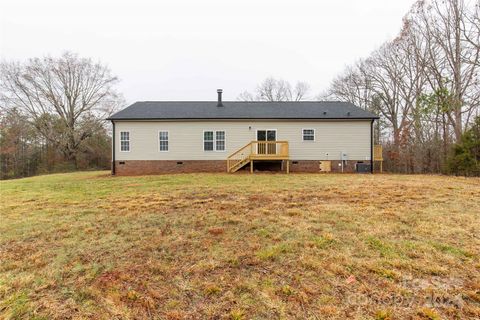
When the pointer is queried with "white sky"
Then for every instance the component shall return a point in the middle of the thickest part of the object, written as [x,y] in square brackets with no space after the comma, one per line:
[186,49]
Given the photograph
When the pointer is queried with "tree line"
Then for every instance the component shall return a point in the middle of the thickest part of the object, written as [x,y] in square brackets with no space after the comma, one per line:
[52,115]
[424,85]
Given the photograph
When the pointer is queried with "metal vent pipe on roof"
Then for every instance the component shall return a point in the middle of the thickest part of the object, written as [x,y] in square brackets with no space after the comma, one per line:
[219,103]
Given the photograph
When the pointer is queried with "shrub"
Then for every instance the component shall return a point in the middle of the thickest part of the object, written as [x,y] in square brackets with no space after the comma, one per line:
[465,157]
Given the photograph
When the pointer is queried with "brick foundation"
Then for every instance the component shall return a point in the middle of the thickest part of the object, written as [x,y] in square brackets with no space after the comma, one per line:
[304,166]
[314,166]
[142,167]
[349,166]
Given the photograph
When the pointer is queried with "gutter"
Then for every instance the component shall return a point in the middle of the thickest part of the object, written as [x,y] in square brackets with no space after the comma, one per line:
[113,148]
[371,146]
[236,119]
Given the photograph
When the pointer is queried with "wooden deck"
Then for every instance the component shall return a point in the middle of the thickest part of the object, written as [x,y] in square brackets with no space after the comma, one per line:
[258,151]
[378,155]
[273,150]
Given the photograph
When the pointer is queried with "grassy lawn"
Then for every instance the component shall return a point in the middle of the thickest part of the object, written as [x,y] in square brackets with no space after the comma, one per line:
[201,246]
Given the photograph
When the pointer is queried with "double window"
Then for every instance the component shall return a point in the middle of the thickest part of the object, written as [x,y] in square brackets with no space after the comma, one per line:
[124,141]
[214,140]
[308,134]
[163,140]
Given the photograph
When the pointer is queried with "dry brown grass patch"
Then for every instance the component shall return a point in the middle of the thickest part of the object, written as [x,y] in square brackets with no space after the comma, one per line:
[274,246]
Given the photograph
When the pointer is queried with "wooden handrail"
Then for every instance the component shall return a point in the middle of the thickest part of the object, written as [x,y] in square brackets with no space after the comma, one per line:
[239,150]
[270,149]
[234,157]
[259,150]
[253,142]
[377,152]
[263,141]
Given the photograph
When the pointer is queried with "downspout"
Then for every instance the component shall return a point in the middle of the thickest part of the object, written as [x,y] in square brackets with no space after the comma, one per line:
[113,148]
[371,146]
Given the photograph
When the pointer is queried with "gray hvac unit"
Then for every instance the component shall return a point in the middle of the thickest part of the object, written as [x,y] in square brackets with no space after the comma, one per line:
[363,167]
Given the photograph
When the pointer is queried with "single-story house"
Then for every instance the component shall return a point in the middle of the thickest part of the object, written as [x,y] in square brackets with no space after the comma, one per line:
[226,136]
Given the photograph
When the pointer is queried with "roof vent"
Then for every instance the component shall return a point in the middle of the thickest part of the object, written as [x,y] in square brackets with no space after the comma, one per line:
[348,113]
[324,112]
[219,103]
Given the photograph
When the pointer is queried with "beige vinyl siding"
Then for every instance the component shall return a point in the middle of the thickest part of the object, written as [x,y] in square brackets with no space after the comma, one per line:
[186,139]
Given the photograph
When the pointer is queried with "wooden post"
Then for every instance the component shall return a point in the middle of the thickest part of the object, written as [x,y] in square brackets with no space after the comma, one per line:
[251,166]
[288,166]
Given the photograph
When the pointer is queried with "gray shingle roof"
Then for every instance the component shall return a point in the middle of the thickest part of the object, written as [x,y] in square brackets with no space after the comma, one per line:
[192,110]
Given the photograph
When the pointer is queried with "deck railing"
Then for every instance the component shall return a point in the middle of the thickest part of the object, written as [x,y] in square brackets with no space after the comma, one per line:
[238,157]
[257,150]
[377,152]
[269,150]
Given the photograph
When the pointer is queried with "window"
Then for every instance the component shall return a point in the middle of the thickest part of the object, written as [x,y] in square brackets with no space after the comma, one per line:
[214,140]
[124,141]
[163,138]
[220,140]
[208,140]
[308,134]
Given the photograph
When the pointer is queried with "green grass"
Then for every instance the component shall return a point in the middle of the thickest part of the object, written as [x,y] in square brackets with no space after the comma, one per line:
[88,245]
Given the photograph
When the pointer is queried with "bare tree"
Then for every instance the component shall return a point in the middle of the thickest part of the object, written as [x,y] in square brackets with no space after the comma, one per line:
[65,98]
[300,91]
[246,96]
[272,89]
[471,27]
[454,60]
[351,86]
[424,84]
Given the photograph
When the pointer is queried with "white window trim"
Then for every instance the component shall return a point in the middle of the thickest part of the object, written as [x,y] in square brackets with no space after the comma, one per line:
[214,140]
[168,140]
[276,136]
[256,133]
[314,135]
[129,141]
[224,140]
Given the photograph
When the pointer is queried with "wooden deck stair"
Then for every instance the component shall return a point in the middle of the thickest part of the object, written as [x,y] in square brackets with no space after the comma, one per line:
[258,150]
[378,155]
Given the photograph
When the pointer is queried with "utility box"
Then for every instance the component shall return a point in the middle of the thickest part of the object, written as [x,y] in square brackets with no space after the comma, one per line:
[343,163]
[363,167]
[325,166]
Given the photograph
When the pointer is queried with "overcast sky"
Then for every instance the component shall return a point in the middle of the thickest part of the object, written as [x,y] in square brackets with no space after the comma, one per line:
[186,49]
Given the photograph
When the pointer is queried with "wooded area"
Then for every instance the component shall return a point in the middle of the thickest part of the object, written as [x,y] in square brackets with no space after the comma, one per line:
[53,114]
[425,86]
